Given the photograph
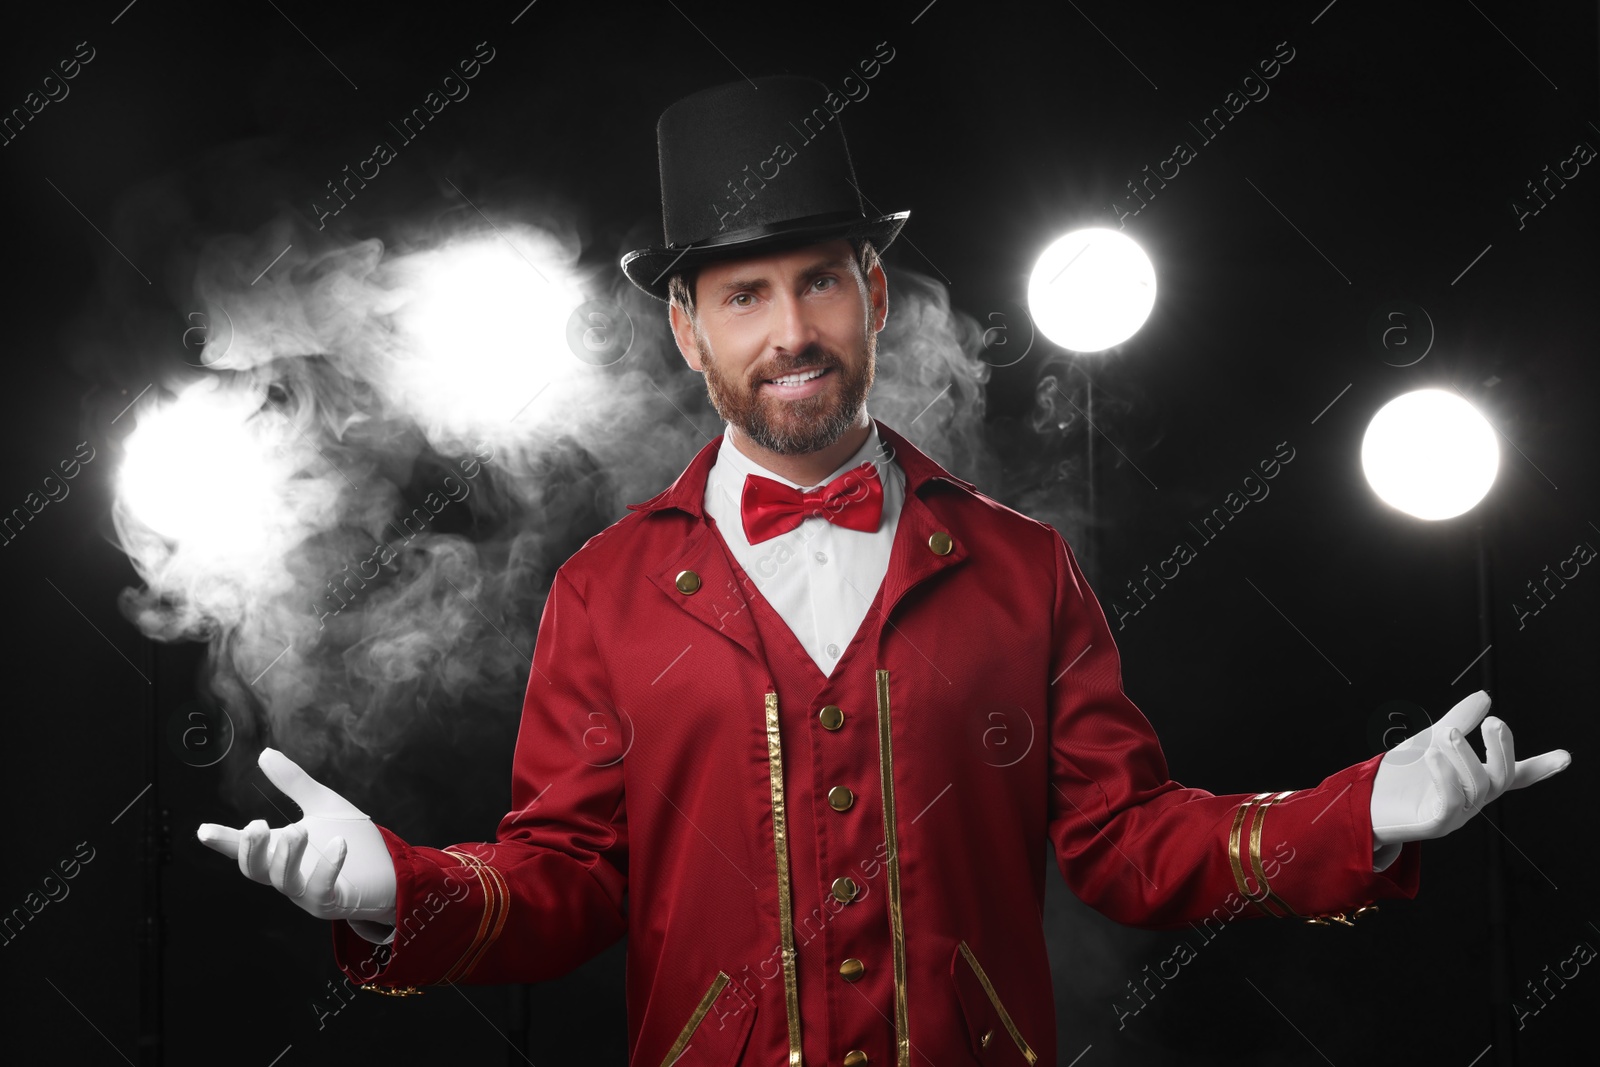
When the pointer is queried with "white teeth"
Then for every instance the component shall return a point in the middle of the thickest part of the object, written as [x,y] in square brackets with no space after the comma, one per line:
[796,379]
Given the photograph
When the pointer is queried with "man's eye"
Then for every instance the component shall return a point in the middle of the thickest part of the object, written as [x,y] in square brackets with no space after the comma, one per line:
[830,279]
[740,296]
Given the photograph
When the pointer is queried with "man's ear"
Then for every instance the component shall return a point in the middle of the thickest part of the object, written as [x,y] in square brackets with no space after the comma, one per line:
[683,333]
[878,296]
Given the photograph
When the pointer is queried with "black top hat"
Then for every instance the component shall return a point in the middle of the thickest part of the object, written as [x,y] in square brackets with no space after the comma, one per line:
[749,168]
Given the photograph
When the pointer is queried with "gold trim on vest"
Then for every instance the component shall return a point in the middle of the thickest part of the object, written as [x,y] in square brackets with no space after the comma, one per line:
[891,839]
[780,839]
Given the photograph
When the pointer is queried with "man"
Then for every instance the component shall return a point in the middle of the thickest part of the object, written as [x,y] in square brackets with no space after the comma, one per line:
[801,724]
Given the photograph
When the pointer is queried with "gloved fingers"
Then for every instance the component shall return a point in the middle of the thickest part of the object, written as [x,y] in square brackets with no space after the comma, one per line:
[1538,768]
[254,846]
[1473,775]
[1448,796]
[320,896]
[224,839]
[285,865]
[1465,716]
[313,797]
[1500,749]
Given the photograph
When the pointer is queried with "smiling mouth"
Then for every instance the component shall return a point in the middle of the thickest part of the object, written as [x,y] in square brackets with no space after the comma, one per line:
[797,377]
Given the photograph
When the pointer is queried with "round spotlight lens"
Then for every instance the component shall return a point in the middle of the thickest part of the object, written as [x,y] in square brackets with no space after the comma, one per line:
[1430,454]
[1091,289]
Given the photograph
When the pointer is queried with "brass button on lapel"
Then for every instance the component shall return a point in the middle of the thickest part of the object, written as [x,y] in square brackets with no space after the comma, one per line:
[832,718]
[852,969]
[844,889]
[688,582]
[840,798]
[941,543]
[855,1058]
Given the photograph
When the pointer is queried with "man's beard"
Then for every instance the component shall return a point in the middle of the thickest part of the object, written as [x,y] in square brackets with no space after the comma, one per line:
[792,427]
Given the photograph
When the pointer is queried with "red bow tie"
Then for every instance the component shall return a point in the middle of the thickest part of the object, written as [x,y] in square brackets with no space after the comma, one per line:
[853,500]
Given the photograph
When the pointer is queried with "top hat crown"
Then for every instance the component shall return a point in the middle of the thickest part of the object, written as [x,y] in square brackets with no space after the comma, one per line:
[750,167]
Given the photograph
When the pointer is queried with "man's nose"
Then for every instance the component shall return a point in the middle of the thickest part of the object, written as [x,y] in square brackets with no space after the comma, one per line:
[794,327]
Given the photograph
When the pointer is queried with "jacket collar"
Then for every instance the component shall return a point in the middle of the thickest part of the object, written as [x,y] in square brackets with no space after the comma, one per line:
[688,492]
[700,562]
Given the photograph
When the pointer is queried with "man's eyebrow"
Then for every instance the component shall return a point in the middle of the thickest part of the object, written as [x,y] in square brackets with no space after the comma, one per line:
[739,284]
[832,263]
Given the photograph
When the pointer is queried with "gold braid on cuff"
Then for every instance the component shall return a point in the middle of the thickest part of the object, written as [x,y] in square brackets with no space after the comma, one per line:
[1263,897]
[496,905]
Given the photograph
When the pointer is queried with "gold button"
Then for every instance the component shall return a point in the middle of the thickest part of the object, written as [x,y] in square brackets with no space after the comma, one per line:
[688,582]
[840,798]
[988,1036]
[832,718]
[855,1058]
[852,969]
[941,543]
[844,889]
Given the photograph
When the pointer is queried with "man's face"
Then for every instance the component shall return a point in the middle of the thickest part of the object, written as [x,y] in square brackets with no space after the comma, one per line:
[805,313]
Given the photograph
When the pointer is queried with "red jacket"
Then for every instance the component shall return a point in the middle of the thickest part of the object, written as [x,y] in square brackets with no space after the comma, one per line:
[845,869]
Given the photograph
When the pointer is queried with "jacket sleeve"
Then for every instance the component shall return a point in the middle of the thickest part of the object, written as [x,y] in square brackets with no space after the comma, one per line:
[1146,851]
[548,893]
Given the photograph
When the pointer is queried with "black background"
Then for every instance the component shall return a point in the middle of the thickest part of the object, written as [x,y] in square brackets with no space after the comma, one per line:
[1395,141]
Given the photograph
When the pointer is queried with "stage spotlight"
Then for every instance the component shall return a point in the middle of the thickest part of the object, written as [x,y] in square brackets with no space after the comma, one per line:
[484,329]
[203,470]
[1430,454]
[1091,289]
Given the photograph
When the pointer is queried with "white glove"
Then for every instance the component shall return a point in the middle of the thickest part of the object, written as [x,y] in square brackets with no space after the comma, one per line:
[333,862]
[1432,783]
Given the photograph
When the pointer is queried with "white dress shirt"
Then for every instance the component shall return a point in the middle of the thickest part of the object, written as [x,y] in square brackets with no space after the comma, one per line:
[819,577]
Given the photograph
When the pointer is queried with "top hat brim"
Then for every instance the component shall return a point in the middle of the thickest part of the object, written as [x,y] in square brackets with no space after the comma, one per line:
[651,268]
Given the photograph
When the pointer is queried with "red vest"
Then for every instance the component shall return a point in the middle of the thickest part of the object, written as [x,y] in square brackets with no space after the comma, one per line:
[834,806]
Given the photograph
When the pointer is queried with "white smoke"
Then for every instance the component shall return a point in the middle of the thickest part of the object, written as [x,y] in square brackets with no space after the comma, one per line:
[358,500]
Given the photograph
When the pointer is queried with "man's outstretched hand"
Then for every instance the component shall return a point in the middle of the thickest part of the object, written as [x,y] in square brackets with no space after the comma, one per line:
[333,862]
[1432,783]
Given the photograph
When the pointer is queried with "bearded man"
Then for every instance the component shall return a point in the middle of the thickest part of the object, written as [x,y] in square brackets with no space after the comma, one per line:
[758,732]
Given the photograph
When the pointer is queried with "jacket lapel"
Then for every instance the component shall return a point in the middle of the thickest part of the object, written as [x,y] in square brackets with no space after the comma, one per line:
[913,559]
[717,599]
